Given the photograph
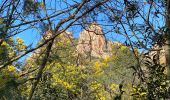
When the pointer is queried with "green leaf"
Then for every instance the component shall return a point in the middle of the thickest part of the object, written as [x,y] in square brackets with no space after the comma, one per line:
[1,20]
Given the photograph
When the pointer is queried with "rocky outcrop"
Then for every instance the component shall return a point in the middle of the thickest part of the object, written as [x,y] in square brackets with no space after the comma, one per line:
[61,39]
[64,36]
[157,50]
[92,42]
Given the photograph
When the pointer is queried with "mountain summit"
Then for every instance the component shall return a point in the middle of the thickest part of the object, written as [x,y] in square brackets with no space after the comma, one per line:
[92,41]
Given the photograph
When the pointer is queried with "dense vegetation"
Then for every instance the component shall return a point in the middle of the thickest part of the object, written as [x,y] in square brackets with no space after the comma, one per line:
[62,78]
[53,70]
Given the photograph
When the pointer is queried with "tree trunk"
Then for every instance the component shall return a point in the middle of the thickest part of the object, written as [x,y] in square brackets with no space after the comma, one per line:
[167,37]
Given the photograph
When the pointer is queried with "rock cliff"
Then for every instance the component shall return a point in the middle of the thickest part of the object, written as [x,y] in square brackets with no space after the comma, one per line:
[92,42]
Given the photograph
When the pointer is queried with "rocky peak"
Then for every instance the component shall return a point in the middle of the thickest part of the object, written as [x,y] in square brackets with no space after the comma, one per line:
[92,42]
[65,35]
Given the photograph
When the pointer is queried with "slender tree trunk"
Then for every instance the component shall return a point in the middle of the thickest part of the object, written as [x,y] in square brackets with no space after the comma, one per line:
[41,68]
[167,37]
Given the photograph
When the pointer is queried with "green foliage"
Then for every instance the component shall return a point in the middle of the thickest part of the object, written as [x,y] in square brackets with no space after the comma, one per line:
[9,75]
[10,49]
[70,76]
[155,84]
[99,79]
[8,84]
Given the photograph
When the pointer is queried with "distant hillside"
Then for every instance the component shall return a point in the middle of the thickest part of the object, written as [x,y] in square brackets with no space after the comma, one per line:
[83,63]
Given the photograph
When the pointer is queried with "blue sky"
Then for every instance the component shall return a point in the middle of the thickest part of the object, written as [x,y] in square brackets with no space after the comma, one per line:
[32,36]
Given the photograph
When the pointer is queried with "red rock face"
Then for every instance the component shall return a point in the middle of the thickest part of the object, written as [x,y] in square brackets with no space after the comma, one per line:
[93,41]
